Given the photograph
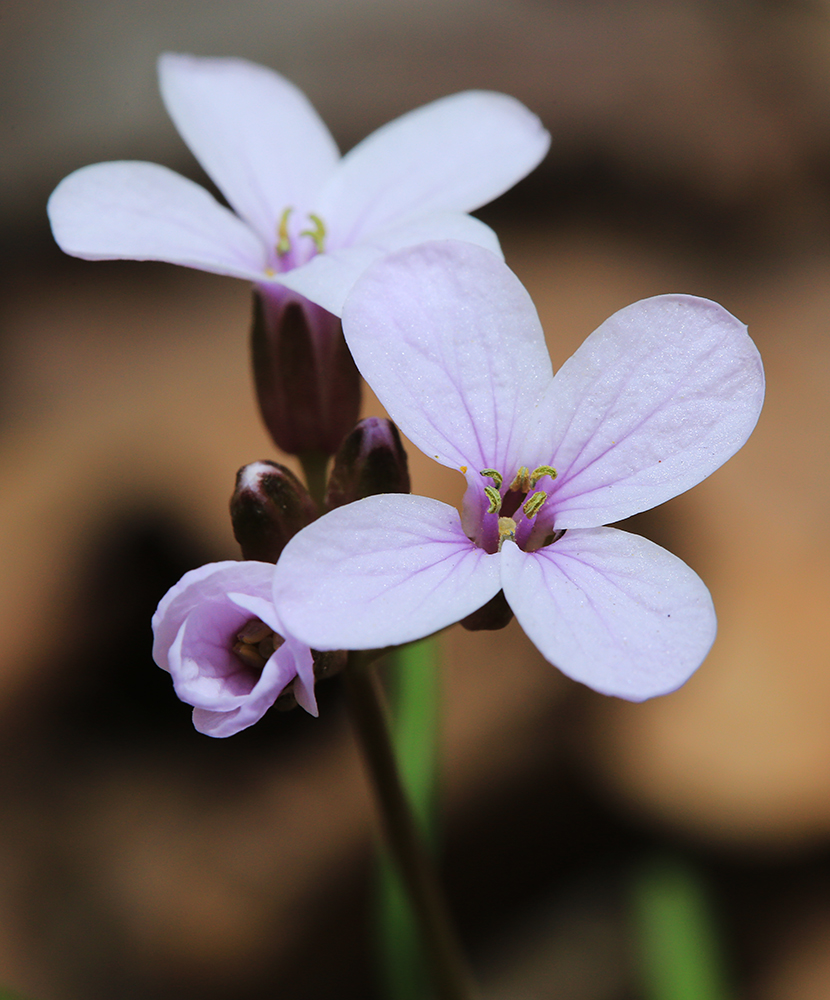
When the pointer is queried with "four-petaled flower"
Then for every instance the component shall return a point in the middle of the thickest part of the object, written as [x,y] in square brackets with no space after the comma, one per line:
[303,218]
[219,635]
[656,399]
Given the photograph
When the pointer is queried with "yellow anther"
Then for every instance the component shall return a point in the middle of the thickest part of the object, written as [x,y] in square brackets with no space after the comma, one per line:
[533,503]
[522,483]
[495,499]
[318,233]
[493,474]
[283,240]
[542,470]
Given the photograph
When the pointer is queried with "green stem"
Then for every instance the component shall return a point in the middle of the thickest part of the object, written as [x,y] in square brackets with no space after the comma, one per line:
[314,465]
[680,955]
[412,688]
[451,978]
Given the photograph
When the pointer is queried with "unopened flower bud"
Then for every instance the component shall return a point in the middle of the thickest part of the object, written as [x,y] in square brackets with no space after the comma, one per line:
[371,460]
[268,507]
[307,384]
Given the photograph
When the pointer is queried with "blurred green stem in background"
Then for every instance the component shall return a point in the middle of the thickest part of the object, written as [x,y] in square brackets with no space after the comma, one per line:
[450,977]
[414,695]
[675,934]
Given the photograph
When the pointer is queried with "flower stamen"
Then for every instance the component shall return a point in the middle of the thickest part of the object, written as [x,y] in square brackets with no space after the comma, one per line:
[256,644]
[318,233]
[493,474]
[533,503]
[283,239]
[522,483]
[495,499]
[538,473]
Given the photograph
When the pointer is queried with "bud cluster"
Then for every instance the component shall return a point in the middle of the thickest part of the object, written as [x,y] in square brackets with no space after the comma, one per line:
[270,505]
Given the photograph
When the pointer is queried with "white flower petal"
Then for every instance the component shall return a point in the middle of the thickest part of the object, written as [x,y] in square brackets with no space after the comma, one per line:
[449,340]
[655,400]
[254,132]
[142,211]
[612,610]
[380,572]
[328,278]
[453,155]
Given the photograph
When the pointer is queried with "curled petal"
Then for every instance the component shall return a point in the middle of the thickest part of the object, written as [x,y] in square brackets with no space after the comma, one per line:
[380,572]
[655,400]
[450,342]
[206,586]
[143,211]
[214,716]
[293,655]
[195,626]
[612,610]
[328,278]
[277,673]
[256,134]
[452,155]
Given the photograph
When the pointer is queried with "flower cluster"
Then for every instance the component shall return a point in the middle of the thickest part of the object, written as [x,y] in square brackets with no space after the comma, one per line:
[654,401]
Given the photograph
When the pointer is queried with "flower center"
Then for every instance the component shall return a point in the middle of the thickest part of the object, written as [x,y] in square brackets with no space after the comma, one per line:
[289,253]
[516,505]
[255,643]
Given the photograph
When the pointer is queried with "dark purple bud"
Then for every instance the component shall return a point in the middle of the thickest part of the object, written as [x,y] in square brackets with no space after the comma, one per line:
[371,460]
[268,507]
[307,385]
[495,614]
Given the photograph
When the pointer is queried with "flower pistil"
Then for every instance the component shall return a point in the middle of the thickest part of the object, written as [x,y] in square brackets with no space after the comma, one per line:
[520,495]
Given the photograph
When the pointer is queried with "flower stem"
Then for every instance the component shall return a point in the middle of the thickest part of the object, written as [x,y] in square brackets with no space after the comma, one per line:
[413,693]
[451,978]
[680,954]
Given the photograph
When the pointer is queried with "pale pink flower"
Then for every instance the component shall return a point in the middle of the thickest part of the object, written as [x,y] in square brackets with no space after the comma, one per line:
[302,218]
[196,627]
[656,399]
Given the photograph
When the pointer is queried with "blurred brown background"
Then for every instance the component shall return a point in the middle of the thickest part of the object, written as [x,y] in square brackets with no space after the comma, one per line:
[691,153]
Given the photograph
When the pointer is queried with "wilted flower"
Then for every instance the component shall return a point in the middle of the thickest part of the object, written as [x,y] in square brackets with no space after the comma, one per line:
[656,399]
[219,635]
